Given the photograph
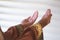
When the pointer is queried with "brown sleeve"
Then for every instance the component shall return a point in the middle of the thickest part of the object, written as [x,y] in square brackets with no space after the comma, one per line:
[1,35]
[11,33]
[37,28]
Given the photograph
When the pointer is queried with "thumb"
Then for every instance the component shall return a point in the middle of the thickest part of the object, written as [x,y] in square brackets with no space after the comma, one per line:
[34,17]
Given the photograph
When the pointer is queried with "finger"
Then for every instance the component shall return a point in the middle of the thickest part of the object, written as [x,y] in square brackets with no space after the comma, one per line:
[34,17]
[48,12]
[48,15]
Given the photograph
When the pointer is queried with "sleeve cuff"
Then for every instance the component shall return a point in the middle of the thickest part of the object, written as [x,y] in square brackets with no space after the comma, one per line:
[19,28]
[38,27]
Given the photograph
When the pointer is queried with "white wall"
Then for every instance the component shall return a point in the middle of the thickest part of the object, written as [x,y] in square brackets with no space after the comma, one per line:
[14,11]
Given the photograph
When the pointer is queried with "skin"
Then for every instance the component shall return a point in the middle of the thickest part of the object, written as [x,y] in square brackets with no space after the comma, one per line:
[45,20]
[30,20]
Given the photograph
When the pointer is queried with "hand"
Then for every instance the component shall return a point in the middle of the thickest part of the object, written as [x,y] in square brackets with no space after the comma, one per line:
[30,20]
[46,18]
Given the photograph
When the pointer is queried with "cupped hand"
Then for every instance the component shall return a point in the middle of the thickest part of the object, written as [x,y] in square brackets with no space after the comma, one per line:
[30,20]
[46,18]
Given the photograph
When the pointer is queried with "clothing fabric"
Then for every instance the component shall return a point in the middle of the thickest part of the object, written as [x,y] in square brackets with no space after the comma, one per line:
[18,33]
[1,35]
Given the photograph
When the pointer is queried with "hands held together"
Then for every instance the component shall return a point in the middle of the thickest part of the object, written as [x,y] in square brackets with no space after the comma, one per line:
[45,20]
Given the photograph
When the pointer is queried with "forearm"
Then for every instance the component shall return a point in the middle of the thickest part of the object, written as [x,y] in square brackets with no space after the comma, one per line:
[13,32]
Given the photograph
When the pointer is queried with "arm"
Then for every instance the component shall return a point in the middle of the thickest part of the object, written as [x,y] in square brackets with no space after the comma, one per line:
[27,22]
[1,35]
[37,28]
[12,32]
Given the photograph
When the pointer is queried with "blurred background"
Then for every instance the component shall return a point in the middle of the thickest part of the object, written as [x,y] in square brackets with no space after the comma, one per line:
[12,12]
